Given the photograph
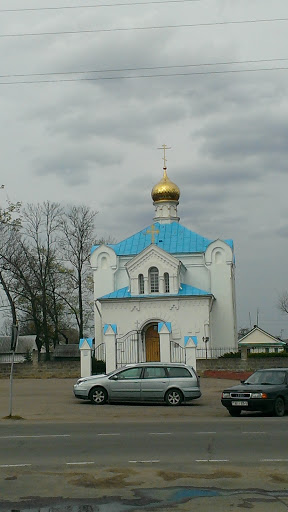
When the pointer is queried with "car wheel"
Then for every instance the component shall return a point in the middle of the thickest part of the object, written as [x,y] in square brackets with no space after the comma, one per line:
[234,412]
[174,397]
[279,407]
[98,396]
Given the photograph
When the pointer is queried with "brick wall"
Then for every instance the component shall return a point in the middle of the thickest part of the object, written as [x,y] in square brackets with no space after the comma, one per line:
[209,367]
[42,370]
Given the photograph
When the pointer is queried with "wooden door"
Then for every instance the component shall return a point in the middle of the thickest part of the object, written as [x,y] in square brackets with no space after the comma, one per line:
[152,343]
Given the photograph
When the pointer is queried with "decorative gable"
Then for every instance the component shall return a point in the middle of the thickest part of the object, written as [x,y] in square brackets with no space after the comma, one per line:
[167,266]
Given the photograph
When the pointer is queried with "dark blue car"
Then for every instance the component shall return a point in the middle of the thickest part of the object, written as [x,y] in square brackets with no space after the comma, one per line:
[265,390]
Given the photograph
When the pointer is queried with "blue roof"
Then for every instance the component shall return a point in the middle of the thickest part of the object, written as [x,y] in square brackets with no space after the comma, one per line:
[185,290]
[172,238]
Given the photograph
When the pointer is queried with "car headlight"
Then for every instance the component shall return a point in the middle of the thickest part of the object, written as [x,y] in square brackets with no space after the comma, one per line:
[225,395]
[80,381]
[258,395]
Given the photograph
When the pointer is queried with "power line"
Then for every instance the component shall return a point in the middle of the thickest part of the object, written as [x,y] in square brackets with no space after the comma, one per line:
[151,68]
[126,29]
[62,7]
[143,76]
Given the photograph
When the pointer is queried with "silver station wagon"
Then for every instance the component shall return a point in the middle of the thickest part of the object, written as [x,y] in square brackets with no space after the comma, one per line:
[172,383]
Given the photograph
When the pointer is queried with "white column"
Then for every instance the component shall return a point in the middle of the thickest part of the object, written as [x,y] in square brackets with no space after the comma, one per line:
[164,330]
[86,347]
[110,331]
[190,343]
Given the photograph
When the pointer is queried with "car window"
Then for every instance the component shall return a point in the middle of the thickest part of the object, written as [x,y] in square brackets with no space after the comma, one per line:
[177,371]
[131,373]
[266,377]
[154,372]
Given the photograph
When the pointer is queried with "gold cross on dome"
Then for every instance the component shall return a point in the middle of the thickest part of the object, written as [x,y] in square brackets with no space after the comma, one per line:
[164,147]
[152,231]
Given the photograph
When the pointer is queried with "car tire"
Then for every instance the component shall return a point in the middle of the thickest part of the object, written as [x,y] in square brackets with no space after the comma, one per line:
[174,397]
[98,395]
[279,407]
[234,412]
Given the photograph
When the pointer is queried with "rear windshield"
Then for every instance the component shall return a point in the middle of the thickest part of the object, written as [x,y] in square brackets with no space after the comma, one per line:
[178,371]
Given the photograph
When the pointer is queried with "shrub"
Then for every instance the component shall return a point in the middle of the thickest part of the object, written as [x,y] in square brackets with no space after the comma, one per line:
[268,354]
[28,356]
[98,366]
[231,355]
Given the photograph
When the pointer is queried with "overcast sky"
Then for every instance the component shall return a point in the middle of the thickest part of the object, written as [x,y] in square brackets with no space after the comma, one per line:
[95,141]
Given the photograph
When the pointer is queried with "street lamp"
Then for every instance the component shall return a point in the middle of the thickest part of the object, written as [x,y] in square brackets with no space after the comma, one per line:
[205,339]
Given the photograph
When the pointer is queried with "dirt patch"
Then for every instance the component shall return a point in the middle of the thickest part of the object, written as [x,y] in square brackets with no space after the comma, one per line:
[275,477]
[118,480]
[170,475]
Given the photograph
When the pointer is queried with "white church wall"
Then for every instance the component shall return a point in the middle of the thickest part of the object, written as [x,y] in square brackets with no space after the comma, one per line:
[104,265]
[219,259]
[196,272]
[187,315]
[150,257]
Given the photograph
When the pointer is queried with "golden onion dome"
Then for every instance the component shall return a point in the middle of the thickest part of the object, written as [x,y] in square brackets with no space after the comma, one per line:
[165,190]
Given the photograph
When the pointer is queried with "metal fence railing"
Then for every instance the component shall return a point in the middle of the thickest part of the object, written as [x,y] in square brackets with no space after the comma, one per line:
[129,349]
[177,353]
[213,353]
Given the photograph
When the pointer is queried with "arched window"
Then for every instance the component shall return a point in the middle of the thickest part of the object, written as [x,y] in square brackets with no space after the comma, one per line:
[166,282]
[140,284]
[154,279]
[104,263]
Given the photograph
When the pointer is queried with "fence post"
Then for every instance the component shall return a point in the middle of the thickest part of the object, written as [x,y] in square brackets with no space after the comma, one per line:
[190,344]
[244,353]
[86,347]
[110,331]
[164,330]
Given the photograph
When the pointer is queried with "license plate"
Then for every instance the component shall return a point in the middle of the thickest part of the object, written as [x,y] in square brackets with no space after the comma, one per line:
[240,402]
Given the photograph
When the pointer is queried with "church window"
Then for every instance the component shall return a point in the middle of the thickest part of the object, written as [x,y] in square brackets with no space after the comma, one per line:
[154,279]
[166,282]
[104,263]
[141,284]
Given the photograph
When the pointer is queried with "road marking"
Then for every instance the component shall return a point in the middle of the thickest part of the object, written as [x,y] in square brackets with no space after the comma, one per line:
[212,460]
[48,435]
[78,463]
[199,433]
[13,465]
[144,461]
[253,432]
[108,434]
[160,433]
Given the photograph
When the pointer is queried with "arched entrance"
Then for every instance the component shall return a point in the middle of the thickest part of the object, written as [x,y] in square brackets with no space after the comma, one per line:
[152,343]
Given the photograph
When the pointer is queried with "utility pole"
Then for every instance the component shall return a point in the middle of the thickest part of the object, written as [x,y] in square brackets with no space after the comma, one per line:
[14,341]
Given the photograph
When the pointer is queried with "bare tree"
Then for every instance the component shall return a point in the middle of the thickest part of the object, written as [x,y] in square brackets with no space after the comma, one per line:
[78,227]
[9,224]
[283,302]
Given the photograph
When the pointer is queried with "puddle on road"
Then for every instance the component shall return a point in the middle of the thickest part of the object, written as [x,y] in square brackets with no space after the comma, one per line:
[144,498]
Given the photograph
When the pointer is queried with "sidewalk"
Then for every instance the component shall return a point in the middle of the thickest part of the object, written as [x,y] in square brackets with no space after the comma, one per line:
[53,400]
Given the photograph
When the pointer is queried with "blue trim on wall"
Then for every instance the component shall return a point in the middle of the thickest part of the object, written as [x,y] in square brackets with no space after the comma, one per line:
[193,338]
[185,290]
[89,341]
[113,327]
[168,325]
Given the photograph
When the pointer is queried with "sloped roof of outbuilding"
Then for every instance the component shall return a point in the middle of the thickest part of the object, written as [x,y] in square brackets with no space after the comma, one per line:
[24,343]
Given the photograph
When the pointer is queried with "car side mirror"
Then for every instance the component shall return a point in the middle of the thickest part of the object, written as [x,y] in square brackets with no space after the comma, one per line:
[242,381]
[114,377]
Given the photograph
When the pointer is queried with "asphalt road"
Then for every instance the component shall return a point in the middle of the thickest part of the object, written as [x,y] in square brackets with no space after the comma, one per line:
[63,454]
[255,442]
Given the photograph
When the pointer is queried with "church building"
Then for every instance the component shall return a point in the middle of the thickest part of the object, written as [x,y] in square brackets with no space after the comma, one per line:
[165,293]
